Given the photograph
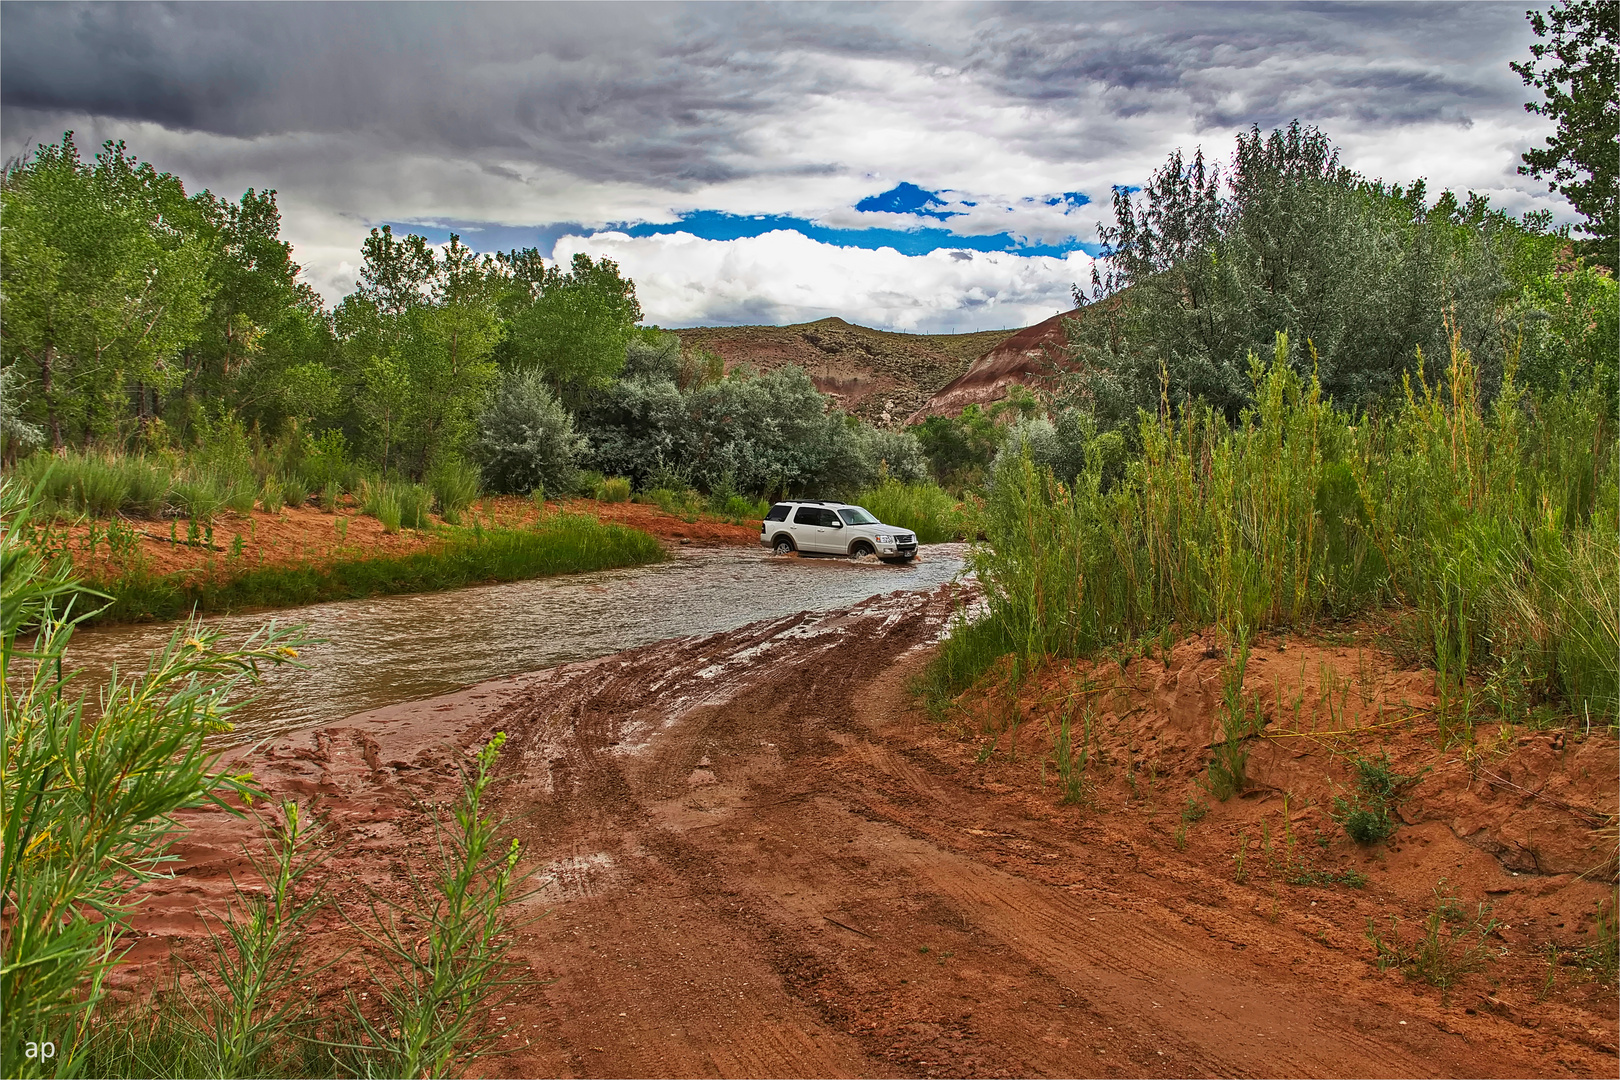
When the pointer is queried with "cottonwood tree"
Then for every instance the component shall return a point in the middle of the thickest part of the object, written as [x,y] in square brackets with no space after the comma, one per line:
[1574,65]
[105,278]
[417,337]
[572,326]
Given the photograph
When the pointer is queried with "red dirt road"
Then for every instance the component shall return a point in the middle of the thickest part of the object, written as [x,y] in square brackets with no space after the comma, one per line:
[759,859]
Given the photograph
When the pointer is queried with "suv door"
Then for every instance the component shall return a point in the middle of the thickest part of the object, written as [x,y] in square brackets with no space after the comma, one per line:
[812,531]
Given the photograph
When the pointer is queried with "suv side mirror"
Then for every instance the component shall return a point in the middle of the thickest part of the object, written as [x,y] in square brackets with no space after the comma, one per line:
[837,524]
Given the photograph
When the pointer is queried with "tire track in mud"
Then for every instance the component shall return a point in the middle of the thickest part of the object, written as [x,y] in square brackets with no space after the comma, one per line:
[754,857]
[612,756]
[800,887]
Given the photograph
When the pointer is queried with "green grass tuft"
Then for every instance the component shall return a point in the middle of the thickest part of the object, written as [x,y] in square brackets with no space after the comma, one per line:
[565,544]
[926,509]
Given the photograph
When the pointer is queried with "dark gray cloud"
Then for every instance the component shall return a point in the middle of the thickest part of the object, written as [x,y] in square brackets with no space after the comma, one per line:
[523,116]
[669,94]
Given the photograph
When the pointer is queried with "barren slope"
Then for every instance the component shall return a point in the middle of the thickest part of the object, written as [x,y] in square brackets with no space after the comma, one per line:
[870,372]
[1031,355]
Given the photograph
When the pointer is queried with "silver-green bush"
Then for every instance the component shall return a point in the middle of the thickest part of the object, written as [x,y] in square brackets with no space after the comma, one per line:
[526,438]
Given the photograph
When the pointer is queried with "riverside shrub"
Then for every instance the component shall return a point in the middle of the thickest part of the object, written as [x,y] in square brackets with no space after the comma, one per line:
[526,438]
[1497,526]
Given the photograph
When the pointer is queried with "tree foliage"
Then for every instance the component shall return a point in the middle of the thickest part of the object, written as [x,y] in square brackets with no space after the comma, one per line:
[106,280]
[766,433]
[572,326]
[1209,264]
[1574,64]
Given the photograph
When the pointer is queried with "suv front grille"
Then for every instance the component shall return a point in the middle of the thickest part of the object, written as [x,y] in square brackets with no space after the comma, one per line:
[904,538]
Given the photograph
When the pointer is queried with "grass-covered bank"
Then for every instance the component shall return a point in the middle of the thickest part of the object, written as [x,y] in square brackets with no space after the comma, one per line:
[1489,531]
[562,544]
[925,508]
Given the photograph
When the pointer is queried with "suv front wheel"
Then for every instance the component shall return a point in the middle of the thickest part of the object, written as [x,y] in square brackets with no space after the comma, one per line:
[860,549]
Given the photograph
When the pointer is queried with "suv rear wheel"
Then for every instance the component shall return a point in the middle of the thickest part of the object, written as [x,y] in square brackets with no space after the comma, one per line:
[783,546]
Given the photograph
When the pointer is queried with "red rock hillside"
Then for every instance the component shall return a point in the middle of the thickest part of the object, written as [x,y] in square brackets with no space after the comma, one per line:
[1028,356]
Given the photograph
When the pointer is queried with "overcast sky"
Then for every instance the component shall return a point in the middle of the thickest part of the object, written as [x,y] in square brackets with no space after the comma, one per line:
[918,167]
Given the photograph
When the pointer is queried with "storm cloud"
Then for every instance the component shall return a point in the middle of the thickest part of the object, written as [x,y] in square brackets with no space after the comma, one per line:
[602,115]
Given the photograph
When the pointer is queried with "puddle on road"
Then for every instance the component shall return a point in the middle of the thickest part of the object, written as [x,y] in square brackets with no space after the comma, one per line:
[403,648]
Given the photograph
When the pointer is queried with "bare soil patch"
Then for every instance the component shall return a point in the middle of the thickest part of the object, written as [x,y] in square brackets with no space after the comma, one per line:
[879,375]
[758,857]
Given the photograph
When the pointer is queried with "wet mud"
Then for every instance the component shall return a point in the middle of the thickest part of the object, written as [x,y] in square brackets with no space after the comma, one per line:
[757,857]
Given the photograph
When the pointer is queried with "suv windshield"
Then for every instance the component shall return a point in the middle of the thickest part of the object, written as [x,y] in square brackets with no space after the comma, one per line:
[854,515]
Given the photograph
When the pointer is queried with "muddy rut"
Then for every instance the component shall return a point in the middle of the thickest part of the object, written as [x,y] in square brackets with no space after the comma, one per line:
[758,859]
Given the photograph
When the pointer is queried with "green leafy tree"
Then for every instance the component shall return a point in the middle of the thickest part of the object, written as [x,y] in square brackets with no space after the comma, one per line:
[455,367]
[1209,264]
[572,326]
[104,278]
[417,338]
[262,323]
[960,448]
[1573,63]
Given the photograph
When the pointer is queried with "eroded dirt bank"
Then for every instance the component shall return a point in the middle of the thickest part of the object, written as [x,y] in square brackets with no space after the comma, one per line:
[759,858]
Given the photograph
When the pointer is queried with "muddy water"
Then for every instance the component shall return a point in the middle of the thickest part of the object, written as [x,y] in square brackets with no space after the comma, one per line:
[402,648]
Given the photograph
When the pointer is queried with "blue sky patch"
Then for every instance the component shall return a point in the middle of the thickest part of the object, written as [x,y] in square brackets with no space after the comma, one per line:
[718,225]
[905,198]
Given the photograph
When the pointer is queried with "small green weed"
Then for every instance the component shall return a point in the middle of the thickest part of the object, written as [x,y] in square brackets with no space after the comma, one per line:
[1194,812]
[613,489]
[1071,760]
[1326,878]
[414,503]
[294,492]
[271,496]
[455,484]
[1451,944]
[437,990]
[1241,720]
[1367,816]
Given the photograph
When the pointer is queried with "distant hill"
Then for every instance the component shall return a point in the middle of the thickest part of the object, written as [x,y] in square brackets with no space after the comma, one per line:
[879,375]
[1035,353]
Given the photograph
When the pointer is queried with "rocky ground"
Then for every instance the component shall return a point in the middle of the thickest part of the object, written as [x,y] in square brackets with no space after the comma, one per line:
[757,856]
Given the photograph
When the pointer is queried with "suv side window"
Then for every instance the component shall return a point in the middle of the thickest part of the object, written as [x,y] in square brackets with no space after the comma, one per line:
[829,519]
[779,512]
[808,515]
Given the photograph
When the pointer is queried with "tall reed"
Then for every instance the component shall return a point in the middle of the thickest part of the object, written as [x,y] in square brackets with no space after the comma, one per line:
[87,805]
[926,509]
[455,485]
[1498,526]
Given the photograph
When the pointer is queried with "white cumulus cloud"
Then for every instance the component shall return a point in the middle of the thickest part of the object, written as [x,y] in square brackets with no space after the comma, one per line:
[785,277]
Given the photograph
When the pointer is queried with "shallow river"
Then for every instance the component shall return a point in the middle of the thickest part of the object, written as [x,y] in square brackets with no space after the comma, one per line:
[401,648]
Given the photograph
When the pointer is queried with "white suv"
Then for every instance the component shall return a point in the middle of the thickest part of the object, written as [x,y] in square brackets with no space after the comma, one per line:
[833,528]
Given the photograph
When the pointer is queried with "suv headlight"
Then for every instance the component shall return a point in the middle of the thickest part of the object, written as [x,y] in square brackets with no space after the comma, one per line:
[884,538]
